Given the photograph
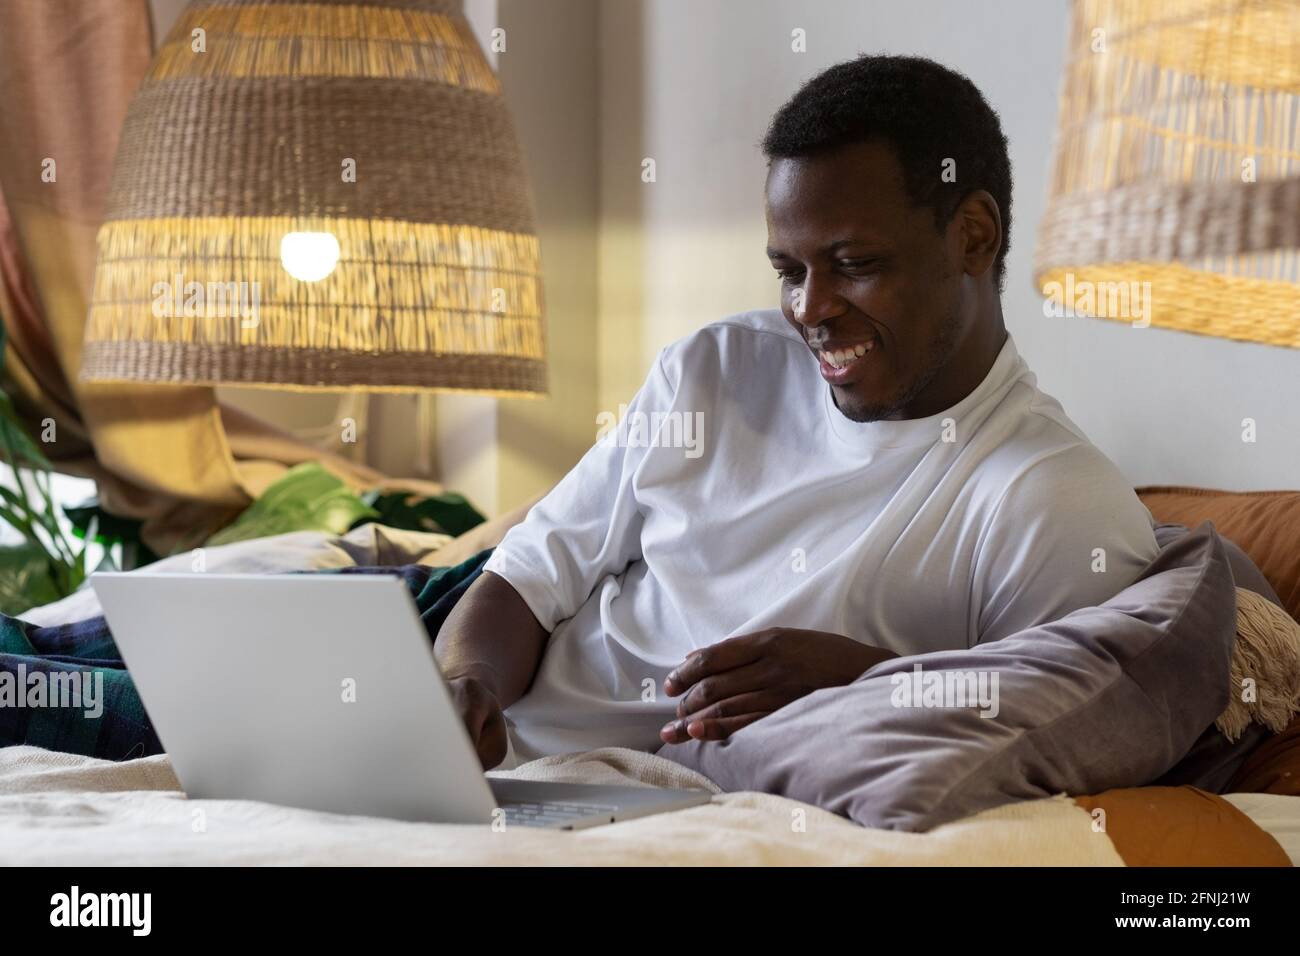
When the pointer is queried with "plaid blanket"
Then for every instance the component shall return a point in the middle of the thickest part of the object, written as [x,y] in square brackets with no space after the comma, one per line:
[66,687]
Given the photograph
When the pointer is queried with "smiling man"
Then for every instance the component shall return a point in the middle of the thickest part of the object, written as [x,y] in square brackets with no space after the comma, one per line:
[877,474]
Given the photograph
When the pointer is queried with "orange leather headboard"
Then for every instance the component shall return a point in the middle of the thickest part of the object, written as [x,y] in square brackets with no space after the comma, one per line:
[1264,524]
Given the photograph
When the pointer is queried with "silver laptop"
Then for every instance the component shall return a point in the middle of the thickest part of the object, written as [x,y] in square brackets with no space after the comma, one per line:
[322,692]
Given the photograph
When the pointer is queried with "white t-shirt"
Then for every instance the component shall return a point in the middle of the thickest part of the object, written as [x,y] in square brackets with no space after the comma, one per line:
[734,496]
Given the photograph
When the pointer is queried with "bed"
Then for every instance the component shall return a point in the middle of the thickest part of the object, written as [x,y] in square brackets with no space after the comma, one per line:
[65,809]
[58,809]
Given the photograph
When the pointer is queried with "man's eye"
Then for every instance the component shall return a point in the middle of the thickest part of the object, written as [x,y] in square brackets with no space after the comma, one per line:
[790,275]
[859,265]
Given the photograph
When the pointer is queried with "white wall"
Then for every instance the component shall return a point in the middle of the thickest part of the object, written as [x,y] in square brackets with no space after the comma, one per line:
[694,84]
[501,452]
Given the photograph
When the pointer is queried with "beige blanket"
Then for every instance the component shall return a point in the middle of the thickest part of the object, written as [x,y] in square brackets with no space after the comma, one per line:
[63,809]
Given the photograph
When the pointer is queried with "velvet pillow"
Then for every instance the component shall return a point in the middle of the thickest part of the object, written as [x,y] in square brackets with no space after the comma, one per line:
[1108,696]
[1266,524]
[1214,759]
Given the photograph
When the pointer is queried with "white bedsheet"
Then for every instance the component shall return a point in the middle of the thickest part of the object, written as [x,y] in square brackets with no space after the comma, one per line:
[1275,814]
[70,810]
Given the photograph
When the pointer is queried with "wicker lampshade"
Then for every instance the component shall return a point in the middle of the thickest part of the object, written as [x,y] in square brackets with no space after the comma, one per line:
[319,194]
[1178,165]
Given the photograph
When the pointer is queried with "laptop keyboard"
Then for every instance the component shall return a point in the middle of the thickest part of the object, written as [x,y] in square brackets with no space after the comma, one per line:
[553,814]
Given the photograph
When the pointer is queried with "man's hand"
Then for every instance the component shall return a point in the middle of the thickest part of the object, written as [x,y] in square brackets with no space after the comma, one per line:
[739,680]
[488,650]
[481,711]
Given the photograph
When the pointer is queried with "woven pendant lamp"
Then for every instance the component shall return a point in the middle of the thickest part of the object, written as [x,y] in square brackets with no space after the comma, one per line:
[317,195]
[1177,169]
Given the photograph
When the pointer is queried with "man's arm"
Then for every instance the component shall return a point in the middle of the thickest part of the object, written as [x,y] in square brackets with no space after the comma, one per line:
[488,649]
[586,528]
[1068,533]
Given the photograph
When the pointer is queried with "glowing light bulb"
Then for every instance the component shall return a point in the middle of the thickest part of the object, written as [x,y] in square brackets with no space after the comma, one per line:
[309,256]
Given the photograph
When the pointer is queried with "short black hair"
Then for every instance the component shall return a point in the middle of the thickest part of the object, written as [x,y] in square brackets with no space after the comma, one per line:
[925,112]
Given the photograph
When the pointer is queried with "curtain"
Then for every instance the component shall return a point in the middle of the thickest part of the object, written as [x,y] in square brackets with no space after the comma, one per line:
[170,456]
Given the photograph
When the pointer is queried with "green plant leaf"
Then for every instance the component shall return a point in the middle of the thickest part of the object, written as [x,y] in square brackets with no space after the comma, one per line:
[16,513]
[112,530]
[18,445]
[25,578]
[449,513]
[44,567]
[307,498]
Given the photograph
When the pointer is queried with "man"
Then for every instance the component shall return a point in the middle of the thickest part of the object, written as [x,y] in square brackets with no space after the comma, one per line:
[877,473]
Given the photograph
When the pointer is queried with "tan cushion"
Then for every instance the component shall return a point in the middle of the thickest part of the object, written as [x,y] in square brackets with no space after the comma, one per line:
[1264,524]
[1182,826]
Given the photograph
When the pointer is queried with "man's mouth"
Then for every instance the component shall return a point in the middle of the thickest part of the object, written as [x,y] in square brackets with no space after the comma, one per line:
[840,364]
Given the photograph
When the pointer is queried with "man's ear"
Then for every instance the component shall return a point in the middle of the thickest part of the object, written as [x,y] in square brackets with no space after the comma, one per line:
[980,223]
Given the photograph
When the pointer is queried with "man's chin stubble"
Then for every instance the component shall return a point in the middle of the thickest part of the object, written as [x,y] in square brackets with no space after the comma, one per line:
[941,353]
[870,413]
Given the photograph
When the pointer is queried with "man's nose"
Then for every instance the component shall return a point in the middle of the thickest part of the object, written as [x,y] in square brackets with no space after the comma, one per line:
[815,301]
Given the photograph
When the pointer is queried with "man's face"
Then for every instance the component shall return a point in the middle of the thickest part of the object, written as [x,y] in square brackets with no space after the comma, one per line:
[868,281]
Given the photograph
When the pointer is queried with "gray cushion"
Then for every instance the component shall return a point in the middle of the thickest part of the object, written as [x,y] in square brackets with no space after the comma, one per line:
[1244,571]
[1214,759]
[1109,696]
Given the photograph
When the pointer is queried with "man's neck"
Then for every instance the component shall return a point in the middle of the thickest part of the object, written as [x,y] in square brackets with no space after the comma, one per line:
[976,350]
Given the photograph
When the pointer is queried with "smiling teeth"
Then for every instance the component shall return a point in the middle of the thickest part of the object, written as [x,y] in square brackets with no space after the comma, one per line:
[842,357]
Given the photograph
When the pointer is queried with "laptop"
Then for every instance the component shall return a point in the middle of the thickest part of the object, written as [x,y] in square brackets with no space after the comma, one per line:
[322,691]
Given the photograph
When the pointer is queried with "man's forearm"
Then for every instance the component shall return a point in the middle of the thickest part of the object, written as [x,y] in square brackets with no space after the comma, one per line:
[493,637]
